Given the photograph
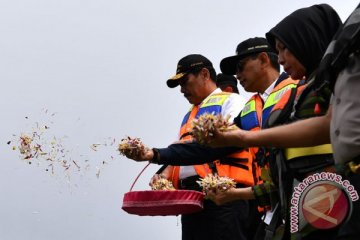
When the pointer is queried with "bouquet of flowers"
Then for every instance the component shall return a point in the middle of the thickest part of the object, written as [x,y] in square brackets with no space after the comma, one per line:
[162,184]
[216,183]
[131,146]
[205,125]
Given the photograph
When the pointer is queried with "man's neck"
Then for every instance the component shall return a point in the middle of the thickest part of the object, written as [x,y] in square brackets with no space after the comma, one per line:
[209,90]
[269,79]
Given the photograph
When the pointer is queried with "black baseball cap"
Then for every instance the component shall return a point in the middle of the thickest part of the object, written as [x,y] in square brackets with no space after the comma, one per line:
[224,79]
[244,49]
[186,65]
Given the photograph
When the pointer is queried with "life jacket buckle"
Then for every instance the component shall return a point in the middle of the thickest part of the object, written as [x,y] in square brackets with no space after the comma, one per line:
[354,167]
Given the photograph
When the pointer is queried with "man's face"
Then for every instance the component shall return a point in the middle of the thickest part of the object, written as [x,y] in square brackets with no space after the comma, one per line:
[192,86]
[249,72]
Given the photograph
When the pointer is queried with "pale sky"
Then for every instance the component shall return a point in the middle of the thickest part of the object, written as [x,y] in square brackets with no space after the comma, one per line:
[94,71]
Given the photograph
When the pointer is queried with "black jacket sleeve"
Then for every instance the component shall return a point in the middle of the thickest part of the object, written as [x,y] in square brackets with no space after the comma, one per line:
[184,154]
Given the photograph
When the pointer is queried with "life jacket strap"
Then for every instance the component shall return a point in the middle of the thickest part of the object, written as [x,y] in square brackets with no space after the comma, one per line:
[292,153]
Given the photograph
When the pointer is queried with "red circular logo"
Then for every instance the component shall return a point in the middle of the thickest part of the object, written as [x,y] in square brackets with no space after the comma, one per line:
[325,205]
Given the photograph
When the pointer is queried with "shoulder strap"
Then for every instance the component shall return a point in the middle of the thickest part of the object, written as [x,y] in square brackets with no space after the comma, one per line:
[280,116]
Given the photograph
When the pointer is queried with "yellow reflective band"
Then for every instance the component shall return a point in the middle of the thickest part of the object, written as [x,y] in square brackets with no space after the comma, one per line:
[291,153]
[275,96]
[215,100]
[249,107]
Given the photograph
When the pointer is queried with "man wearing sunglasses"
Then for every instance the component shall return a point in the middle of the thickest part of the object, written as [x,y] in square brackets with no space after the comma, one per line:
[257,69]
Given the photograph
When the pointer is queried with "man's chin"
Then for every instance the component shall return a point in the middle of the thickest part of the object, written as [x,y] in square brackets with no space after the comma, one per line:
[189,99]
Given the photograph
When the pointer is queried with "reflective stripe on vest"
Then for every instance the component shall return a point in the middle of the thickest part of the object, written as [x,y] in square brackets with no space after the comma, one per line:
[212,104]
[239,169]
[292,153]
[250,116]
[275,96]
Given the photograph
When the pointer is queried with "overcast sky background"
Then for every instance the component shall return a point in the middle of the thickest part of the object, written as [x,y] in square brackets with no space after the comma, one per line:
[93,71]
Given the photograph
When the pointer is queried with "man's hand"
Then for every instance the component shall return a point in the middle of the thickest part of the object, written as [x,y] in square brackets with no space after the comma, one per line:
[232,194]
[222,197]
[164,174]
[233,137]
[155,178]
[145,155]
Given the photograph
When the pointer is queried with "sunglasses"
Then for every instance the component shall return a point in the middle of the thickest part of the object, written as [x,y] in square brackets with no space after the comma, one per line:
[241,63]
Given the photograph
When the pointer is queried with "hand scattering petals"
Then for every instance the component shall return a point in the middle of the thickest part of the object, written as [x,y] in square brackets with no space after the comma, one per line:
[131,147]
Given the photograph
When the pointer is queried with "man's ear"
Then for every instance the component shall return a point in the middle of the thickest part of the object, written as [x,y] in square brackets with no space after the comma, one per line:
[205,73]
[264,58]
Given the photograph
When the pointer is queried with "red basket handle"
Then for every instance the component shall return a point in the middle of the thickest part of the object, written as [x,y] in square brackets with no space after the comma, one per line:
[138,176]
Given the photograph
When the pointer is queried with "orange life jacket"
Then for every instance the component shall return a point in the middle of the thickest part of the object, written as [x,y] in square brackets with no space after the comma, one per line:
[240,166]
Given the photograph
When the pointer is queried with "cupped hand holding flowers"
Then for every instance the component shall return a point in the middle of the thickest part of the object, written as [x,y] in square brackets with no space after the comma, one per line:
[134,149]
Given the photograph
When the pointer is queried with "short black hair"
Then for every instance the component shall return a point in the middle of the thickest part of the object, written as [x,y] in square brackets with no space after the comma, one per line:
[274,61]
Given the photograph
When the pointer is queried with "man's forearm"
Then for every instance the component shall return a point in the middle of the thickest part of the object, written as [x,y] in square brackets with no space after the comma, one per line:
[191,154]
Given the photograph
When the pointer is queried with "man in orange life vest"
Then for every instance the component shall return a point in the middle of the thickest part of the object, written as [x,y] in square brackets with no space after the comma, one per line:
[257,69]
[196,76]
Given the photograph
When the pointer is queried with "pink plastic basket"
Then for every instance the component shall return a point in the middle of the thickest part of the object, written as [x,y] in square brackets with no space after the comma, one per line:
[162,202]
